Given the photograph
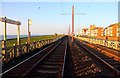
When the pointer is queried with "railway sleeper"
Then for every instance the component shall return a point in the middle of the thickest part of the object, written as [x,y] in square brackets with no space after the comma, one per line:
[46,73]
[110,60]
[56,57]
[52,63]
[55,60]
[52,66]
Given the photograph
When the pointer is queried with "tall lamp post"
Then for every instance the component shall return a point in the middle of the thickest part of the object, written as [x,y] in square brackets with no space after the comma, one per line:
[29,23]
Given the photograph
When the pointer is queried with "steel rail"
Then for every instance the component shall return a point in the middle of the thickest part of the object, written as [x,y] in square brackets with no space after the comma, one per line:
[64,60]
[26,73]
[117,72]
[25,60]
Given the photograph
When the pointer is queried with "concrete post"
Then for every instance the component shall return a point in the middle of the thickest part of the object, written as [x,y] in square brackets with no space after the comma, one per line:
[5,33]
[72,23]
[18,35]
[29,31]
[18,40]
[69,30]
[15,50]
[28,37]
[4,50]
[4,40]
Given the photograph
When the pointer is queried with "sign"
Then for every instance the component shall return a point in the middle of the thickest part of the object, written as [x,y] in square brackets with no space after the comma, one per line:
[10,21]
[30,21]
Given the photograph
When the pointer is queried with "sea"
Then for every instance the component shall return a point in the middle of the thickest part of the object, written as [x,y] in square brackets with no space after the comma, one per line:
[12,36]
[15,36]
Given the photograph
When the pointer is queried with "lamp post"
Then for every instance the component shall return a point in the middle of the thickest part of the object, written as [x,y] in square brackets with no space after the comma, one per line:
[29,23]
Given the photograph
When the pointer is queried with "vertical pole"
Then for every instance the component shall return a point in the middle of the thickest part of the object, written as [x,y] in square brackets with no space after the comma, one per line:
[18,35]
[5,33]
[4,41]
[28,32]
[78,27]
[72,23]
[18,41]
[69,30]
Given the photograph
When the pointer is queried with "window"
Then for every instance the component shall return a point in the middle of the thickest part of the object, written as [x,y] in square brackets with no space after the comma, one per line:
[102,34]
[111,35]
[118,29]
[111,31]
[118,34]
[111,28]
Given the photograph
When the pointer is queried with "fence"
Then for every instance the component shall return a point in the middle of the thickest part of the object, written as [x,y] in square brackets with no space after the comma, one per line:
[9,53]
[108,43]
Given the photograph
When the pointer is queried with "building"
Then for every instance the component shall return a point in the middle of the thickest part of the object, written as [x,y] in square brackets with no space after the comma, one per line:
[112,32]
[91,30]
[96,32]
[92,27]
[109,36]
[118,31]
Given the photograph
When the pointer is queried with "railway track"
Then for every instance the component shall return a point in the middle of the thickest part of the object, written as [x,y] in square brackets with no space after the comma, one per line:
[115,54]
[53,65]
[66,59]
[81,64]
[111,64]
[48,62]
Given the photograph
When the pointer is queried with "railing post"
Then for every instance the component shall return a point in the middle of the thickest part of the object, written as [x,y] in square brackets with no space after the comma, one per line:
[34,45]
[28,47]
[4,50]
[20,49]
[39,43]
[45,42]
[42,42]
[15,50]
[48,41]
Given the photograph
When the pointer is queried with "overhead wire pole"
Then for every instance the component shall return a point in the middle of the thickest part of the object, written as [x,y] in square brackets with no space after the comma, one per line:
[72,23]
[78,26]
[69,30]
[73,20]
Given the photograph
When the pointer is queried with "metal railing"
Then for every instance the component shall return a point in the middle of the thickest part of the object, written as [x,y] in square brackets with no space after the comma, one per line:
[9,53]
[108,43]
